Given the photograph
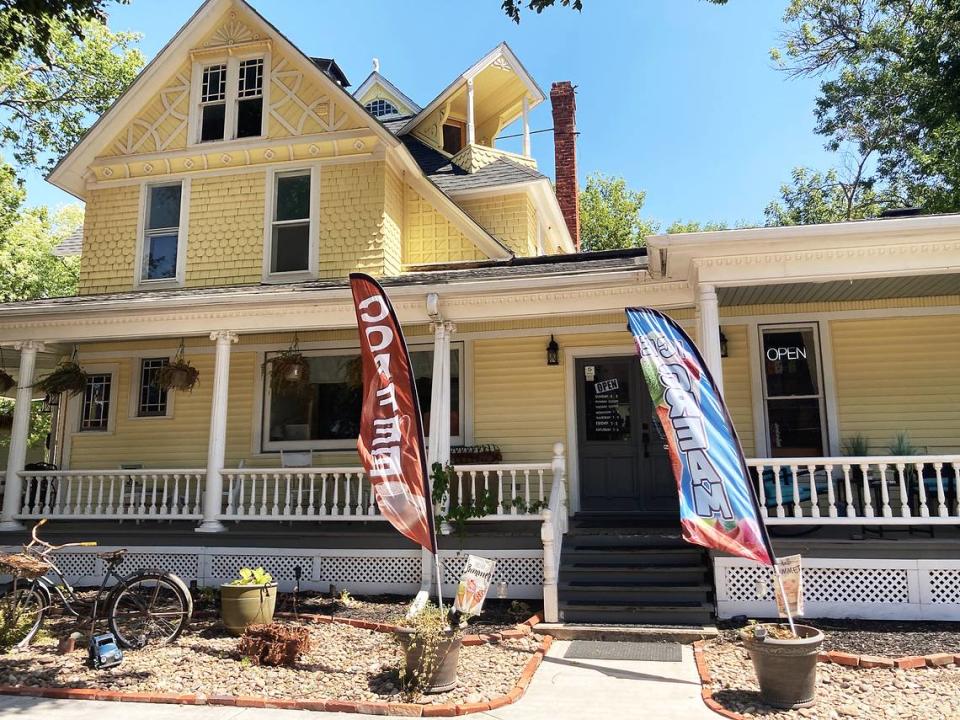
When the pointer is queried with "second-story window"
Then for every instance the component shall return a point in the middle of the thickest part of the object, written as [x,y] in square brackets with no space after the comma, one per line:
[290,230]
[213,103]
[250,98]
[161,234]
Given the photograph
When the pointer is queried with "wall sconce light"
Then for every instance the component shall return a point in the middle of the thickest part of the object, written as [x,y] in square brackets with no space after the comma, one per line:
[553,352]
[723,344]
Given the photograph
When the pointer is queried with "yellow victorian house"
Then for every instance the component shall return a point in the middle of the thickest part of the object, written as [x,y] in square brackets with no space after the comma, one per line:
[232,188]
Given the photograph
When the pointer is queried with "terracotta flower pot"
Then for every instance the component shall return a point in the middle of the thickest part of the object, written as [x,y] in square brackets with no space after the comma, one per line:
[442,668]
[786,669]
[244,605]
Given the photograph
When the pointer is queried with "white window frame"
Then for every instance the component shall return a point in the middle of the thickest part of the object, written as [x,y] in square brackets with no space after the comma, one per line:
[76,402]
[272,446]
[821,396]
[178,279]
[133,409]
[313,260]
[395,112]
[232,61]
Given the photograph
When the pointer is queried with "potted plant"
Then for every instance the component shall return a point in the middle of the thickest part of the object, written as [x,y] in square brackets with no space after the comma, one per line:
[69,378]
[430,641]
[289,371]
[785,662]
[177,375]
[275,644]
[249,599]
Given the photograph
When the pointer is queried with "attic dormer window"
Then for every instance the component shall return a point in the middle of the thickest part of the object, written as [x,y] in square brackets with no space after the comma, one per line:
[213,103]
[231,99]
[381,108]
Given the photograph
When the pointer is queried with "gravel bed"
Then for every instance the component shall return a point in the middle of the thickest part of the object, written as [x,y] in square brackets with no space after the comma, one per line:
[883,638]
[346,663]
[842,692]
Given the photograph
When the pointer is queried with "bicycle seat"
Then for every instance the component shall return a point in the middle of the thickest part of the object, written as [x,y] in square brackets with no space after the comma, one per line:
[113,556]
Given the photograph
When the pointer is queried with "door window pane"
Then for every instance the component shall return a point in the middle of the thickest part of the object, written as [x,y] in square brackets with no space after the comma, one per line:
[607,401]
[329,408]
[792,392]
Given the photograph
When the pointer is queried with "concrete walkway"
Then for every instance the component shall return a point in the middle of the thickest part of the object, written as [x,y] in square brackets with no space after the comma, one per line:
[561,690]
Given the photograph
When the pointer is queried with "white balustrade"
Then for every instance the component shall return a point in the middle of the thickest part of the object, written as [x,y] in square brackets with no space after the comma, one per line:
[107,494]
[554,527]
[882,490]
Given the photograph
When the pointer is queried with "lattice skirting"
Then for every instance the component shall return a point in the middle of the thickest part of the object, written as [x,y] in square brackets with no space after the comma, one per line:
[842,588]
[359,571]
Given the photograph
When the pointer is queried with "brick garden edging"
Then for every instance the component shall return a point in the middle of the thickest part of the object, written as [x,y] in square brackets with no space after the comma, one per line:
[348,706]
[909,662]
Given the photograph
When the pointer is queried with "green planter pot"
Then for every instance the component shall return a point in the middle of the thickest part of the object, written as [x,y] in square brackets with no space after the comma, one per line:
[244,605]
[443,665]
[786,669]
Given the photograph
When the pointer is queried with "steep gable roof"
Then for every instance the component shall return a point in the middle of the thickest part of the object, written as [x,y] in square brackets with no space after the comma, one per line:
[374,79]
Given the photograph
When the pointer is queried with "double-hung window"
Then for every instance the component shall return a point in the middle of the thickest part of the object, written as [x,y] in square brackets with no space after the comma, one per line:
[95,408]
[290,244]
[161,241]
[213,102]
[151,400]
[231,99]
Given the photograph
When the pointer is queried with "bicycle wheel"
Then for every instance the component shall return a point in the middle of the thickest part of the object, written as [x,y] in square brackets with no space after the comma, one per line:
[148,608]
[22,611]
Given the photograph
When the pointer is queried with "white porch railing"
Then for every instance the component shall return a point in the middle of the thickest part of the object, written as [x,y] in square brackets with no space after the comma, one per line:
[883,490]
[555,519]
[168,494]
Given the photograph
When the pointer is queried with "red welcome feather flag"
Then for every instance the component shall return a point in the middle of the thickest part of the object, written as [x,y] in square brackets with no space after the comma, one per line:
[391,430]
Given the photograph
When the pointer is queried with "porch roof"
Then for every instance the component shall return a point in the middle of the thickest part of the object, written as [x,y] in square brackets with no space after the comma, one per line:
[841,290]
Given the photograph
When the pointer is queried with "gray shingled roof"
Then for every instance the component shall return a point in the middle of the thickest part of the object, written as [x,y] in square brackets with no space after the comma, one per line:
[70,245]
[450,178]
[576,264]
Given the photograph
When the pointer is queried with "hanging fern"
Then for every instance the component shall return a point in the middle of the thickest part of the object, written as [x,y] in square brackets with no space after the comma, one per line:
[69,378]
[289,371]
[178,375]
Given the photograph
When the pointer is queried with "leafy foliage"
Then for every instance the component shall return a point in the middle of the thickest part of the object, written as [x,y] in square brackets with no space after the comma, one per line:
[610,215]
[890,98]
[694,226]
[39,423]
[31,270]
[31,23]
[46,103]
[257,576]
[814,197]
[69,377]
[513,7]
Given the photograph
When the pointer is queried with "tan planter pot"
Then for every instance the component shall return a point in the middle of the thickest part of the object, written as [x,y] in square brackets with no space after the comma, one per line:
[786,669]
[443,665]
[244,605]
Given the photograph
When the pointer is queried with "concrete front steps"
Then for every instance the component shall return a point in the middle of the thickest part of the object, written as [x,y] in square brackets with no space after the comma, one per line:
[628,570]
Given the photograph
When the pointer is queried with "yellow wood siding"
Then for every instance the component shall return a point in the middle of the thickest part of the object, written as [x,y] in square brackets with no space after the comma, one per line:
[429,237]
[352,219]
[176,442]
[506,218]
[392,229]
[737,388]
[899,374]
[225,237]
[109,240]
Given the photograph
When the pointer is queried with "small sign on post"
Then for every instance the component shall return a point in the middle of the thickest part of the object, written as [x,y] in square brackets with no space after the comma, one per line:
[788,588]
[474,584]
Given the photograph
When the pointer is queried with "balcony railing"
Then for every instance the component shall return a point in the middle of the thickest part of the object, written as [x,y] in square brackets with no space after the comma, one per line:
[885,490]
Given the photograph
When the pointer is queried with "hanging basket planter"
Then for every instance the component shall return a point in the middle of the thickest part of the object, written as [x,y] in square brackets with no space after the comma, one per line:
[289,372]
[179,375]
[69,378]
[6,381]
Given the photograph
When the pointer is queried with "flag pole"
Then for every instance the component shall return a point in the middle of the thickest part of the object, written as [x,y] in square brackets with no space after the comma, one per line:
[436,557]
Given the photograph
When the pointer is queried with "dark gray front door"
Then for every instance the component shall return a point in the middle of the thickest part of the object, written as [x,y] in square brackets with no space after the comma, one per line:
[624,466]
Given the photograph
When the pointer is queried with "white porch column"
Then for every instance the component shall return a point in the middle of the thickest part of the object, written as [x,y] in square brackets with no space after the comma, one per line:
[19,433]
[526,126]
[216,449]
[471,127]
[708,331]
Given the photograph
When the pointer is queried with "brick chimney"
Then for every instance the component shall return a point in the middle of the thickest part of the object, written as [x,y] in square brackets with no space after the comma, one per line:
[564,104]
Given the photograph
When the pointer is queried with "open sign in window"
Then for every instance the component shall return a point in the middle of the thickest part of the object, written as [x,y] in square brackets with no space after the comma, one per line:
[793,390]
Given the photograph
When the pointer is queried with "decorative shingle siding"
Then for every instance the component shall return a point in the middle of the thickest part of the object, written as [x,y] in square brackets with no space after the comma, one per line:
[225,245]
[351,219]
[109,240]
[429,237]
[504,217]
[392,223]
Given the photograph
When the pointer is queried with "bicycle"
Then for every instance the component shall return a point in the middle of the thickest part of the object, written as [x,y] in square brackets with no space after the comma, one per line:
[147,605]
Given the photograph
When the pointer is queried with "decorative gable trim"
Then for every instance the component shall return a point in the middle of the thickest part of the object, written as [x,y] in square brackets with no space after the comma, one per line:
[374,79]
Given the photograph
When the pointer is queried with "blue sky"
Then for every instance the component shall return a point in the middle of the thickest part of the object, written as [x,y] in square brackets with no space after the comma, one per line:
[677,96]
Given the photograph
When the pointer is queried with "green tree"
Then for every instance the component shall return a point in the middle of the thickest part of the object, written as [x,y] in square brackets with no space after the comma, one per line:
[32,22]
[610,215]
[813,197]
[693,226]
[513,7]
[890,95]
[47,104]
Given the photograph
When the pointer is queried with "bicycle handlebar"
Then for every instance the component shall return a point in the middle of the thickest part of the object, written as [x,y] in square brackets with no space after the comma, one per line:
[52,548]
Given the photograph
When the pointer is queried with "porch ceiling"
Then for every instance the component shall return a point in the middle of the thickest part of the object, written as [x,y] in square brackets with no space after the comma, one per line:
[839,290]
